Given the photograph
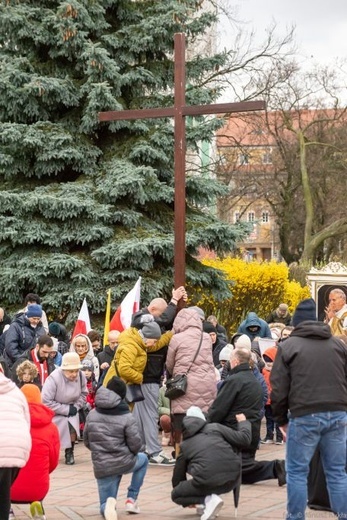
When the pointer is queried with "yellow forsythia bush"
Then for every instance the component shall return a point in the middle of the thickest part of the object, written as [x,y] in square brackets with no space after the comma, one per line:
[256,286]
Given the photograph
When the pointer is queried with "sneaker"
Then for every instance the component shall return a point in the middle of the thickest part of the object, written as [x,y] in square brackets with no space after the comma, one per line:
[131,506]
[36,511]
[161,460]
[11,515]
[110,512]
[213,504]
[266,441]
[279,442]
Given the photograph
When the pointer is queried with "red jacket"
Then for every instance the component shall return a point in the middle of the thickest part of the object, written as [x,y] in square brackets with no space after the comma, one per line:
[32,482]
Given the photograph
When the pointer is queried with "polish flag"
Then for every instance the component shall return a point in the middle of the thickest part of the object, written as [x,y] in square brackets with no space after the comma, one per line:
[121,319]
[82,325]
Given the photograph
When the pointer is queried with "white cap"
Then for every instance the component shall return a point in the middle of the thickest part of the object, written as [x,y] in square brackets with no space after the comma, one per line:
[225,353]
[243,342]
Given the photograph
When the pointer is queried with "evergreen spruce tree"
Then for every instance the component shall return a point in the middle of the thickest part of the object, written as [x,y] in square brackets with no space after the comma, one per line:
[86,206]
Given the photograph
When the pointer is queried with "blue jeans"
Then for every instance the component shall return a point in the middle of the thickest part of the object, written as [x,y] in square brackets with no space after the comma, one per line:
[328,431]
[108,486]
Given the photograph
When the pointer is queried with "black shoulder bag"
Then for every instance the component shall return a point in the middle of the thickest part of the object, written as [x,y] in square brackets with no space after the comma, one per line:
[177,386]
[134,391]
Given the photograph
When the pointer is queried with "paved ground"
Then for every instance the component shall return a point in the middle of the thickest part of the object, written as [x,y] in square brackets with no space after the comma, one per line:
[73,494]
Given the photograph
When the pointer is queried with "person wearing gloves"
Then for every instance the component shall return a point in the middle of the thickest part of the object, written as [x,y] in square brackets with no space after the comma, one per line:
[65,392]
[15,438]
[210,454]
[112,436]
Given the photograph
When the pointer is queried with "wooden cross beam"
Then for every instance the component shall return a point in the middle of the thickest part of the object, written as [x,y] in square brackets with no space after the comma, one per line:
[179,111]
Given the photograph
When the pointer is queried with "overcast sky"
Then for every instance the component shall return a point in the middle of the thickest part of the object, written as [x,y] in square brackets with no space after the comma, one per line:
[321,25]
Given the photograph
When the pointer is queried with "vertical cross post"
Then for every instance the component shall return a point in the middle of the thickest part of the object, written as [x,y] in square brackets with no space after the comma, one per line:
[180,161]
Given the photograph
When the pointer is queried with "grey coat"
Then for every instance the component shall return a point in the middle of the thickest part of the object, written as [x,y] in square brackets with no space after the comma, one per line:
[58,393]
[113,436]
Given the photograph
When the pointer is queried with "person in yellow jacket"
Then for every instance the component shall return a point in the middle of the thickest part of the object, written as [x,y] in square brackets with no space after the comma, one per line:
[131,355]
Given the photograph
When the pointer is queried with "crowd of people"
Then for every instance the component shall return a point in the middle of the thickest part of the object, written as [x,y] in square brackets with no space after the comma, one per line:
[289,369]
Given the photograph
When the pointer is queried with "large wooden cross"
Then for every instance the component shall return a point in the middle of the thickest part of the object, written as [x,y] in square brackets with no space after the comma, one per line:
[178,112]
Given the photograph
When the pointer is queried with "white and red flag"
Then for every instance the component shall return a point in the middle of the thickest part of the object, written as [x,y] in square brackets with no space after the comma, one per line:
[82,325]
[121,319]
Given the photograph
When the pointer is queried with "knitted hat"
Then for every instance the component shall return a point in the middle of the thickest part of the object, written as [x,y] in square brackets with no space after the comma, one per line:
[151,330]
[32,393]
[305,310]
[54,328]
[225,353]
[208,327]
[195,411]
[70,361]
[117,385]
[243,342]
[34,311]
[87,364]
[199,311]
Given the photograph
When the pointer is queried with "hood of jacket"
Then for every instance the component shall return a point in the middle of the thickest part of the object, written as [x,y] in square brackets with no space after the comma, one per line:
[90,354]
[6,385]
[311,329]
[106,398]
[40,415]
[191,426]
[252,320]
[271,353]
[186,319]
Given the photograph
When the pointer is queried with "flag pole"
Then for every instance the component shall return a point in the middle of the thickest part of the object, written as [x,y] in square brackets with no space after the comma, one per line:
[107,317]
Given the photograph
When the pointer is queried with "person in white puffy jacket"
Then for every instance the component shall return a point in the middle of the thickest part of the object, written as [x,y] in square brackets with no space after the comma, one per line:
[15,438]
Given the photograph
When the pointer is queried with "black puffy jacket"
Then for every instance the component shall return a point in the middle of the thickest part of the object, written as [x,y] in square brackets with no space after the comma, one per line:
[210,453]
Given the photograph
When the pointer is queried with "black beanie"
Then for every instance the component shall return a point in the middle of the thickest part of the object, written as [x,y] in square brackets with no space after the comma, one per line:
[208,327]
[305,310]
[117,385]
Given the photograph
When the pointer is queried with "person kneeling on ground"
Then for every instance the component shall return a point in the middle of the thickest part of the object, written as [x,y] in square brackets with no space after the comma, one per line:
[112,435]
[209,453]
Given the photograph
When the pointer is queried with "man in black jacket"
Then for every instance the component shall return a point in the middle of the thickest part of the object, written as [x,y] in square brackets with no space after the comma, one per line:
[146,412]
[309,378]
[242,391]
[210,454]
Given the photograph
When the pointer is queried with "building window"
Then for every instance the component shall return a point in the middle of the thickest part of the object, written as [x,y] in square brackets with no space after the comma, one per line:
[251,216]
[265,216]
[267,158]
[236,216]
[243,158]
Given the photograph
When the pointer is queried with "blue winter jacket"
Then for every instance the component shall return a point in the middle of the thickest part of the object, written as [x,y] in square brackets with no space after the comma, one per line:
[252,320]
